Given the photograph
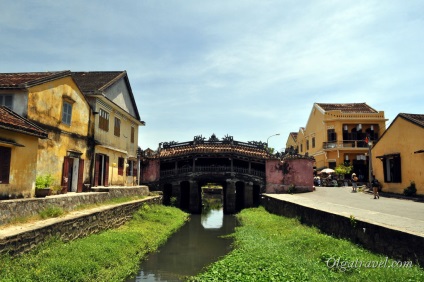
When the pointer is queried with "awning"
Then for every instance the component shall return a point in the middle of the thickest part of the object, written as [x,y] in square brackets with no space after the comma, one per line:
[10,142]
[388,155]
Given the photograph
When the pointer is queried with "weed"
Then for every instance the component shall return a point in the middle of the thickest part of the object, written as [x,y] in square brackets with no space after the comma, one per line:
[51,211]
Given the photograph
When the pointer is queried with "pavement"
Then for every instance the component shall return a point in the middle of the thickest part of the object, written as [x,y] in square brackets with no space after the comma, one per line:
[399,214]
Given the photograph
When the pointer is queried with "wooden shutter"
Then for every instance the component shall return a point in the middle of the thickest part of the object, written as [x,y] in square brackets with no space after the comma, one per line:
[135,168]
[80,175]
[65,172]
[106,171]
[5,156]
[97,170]
[397,169]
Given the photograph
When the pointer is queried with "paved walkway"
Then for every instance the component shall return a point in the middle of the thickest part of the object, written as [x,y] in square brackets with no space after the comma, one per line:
[399,214]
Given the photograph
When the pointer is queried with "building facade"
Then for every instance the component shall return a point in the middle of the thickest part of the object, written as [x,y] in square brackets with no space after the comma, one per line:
[116,123]
[398,157]
[18,138]
[52,101]
[339,134]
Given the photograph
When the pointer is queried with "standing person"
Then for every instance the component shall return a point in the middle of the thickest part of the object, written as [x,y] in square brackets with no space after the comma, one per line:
[354,179]
[375,185]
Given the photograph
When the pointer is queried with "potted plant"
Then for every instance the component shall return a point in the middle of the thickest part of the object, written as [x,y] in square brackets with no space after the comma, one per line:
[43,185]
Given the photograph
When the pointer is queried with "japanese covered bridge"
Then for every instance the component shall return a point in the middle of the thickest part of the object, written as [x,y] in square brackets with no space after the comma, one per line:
[244,170]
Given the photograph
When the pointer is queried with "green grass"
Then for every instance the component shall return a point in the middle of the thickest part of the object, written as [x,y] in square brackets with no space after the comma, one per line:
[112,255]
[273,248]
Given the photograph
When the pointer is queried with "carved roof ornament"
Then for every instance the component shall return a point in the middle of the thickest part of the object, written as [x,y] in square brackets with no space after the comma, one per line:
[213,138]
[169,144]
[259,144]
[227,139]
[199,139]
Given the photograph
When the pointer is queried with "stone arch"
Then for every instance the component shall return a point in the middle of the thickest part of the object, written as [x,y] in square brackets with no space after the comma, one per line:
[167,194]
[240,195]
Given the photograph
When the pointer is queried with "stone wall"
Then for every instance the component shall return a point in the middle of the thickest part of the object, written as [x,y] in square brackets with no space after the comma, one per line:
[10,209]
[393,243]
[72,227]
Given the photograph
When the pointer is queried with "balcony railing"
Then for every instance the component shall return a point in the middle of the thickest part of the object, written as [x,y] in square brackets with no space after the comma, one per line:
[345,144]
[183,170]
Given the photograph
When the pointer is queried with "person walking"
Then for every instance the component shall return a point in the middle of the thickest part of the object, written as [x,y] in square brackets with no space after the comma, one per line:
[354,179]
[375,186]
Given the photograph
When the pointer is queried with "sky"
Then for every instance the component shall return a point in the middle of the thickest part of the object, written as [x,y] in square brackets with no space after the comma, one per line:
[248,69]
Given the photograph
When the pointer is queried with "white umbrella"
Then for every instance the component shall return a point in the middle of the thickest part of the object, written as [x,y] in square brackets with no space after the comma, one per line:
[326,170]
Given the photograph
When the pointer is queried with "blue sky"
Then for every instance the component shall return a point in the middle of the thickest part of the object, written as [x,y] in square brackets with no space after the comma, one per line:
[249,69]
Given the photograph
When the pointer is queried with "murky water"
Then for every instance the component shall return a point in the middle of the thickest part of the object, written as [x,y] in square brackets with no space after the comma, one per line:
[196,245]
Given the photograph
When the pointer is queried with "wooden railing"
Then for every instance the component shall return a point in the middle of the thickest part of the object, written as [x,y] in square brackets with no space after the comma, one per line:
[345,144]
[189,169]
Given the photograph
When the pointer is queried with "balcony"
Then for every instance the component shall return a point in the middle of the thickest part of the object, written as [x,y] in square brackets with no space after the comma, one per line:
[348,144]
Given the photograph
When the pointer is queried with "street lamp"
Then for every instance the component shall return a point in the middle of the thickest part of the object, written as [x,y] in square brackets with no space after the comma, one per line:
[268,139]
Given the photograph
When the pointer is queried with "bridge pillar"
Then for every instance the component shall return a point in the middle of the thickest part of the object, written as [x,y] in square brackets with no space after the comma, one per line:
[176,192]
[195,198]
[248,195]
[230,197]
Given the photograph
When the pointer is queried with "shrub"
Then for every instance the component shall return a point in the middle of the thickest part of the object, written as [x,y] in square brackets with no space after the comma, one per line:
[411,190]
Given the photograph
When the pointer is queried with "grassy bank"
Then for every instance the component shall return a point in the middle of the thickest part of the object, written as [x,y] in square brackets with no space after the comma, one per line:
[112,255]
[274,248]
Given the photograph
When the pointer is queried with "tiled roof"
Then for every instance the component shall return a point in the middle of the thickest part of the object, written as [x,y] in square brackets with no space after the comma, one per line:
[348,108]
[12,121]
[415,118]
[90,82]
[213,148]
[294,135]
[26,79]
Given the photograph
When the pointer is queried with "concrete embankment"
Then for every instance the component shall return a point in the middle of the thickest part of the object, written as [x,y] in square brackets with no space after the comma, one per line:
[356,218]
[22,238]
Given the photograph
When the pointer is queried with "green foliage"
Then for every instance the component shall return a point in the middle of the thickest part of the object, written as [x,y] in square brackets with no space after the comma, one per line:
[411,190]
[352,221]
[51,211]
[112,255]
[174,202]
[43,181]
[342,169]
[274,248]
[291,189]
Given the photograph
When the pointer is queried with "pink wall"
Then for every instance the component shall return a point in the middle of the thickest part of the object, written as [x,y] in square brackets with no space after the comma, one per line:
[296,171]
[150,171]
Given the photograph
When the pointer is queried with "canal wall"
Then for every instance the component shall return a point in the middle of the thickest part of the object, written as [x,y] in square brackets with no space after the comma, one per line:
[20,208]
[394,243]
[73,226]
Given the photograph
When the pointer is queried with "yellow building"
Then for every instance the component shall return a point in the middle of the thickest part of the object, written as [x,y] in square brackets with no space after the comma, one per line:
[291,143]
[398,156]
[338,133]
[18,154]
[116,125]
[54,102]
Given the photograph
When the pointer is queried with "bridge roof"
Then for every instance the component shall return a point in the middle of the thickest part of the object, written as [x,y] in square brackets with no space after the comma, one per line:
[214,148]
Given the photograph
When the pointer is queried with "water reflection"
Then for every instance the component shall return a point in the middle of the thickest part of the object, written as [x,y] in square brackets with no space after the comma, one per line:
[196,245]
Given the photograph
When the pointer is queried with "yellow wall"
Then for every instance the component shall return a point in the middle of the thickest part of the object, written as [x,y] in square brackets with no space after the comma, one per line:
[405,138]
[45,103]
[291,142]
[22,164]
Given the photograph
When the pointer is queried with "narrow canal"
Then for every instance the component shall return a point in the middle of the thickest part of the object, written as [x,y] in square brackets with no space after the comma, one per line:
[195,245]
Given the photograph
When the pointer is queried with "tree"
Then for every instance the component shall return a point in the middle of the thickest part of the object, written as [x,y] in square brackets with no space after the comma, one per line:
[342,169]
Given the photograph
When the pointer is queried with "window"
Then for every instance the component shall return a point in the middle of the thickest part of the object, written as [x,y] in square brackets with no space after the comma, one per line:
[132,134]
[392,168]
[132,168]
[66,113]
[313,142]
[117,129]
[121,166]
[6,100]
[5,154]
[301,148]
[103,120]
[307,145]
[331,135]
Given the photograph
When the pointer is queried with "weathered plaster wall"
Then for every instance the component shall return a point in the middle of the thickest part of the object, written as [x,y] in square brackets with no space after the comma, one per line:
[22,165]
[151,171]
[72,227]
[281,175]
[380,239]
